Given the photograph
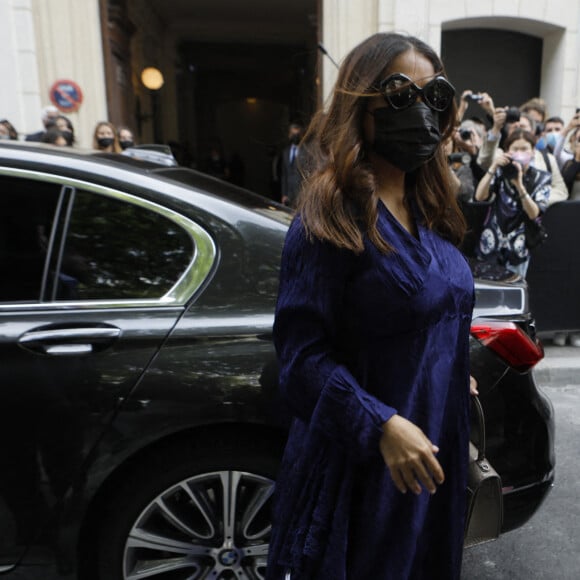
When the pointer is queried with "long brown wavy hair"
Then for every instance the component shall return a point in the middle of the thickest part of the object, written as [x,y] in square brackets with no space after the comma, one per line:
[338,202]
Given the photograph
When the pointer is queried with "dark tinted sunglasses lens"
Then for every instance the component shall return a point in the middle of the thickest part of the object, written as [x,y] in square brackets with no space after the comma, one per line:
[399,93]
[438,94]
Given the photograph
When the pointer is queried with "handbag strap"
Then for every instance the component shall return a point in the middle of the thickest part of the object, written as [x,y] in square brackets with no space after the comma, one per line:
[480,427]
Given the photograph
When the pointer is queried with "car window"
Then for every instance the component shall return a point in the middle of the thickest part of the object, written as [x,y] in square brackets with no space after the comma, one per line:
[27,210]
[118,250]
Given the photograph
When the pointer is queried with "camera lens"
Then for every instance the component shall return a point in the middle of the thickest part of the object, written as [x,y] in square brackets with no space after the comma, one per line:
[465,134]
[510,171]
[512,115]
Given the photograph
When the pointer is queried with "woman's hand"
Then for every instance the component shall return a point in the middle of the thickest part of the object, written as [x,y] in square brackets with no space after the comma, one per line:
[486,104]
[410,456]
[499,117]
[501,161]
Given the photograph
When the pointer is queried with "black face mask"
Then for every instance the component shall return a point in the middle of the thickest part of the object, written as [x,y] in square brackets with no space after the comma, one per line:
[295,139]
[407,138]
[105,142]
[126,144]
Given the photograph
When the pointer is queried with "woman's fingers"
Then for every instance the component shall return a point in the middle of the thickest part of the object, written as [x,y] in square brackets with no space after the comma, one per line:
[426,479]
[410,480]
[398,480]
[410,456]
[413,475]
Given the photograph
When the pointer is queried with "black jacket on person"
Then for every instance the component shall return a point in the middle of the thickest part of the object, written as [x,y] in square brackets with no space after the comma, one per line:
[291,176]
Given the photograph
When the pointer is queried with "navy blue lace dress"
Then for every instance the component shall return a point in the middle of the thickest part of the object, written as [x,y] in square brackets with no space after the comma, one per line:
[359,338]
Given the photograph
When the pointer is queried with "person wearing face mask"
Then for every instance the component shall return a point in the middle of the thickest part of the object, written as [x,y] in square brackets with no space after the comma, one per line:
[372,332]
[105,138]
[65,126]
[542,159]
[551,135]
[126,138]
[515,189]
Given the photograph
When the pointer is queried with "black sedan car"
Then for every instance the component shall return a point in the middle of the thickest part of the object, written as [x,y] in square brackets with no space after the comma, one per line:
[141,430]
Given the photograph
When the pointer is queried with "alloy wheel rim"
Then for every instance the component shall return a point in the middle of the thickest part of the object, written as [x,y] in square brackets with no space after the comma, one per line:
[211,526]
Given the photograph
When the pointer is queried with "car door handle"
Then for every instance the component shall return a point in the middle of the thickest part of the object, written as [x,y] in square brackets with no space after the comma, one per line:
[69,341]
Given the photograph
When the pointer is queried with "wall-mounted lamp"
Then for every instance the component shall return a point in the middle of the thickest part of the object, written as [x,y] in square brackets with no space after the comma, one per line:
[152,78]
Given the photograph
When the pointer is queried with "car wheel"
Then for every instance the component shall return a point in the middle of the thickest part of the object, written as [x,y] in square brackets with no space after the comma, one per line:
[192,515]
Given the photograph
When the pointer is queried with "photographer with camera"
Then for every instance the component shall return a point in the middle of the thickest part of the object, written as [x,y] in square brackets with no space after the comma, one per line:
[564,149]
[517,192]
[512,119]
[467,97]
[462,153]
[462,150]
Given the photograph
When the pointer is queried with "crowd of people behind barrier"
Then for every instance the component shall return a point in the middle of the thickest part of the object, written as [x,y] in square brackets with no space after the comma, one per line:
[509,167]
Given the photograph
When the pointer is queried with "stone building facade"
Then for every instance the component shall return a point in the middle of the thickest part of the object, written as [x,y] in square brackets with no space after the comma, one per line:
[82,40]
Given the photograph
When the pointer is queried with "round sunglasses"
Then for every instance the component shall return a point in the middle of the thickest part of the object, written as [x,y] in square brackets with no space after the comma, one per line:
[400,92]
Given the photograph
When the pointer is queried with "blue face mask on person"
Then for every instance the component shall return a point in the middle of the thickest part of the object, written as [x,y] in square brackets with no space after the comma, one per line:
[549,141]
[553,139]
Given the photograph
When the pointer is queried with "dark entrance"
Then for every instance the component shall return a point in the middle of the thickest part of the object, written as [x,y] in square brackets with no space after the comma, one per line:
[245,71]
[505,64]
[240,97]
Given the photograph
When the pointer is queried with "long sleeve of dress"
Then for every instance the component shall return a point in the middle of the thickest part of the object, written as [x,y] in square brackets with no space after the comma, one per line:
[318,388]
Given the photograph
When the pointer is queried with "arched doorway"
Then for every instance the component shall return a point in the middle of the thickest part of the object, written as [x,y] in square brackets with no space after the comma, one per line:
[503,63]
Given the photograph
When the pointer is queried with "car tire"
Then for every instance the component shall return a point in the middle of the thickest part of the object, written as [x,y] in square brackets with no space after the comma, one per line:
[191,513]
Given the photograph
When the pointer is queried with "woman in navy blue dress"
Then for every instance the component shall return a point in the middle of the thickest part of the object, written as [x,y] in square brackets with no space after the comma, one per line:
[372,330]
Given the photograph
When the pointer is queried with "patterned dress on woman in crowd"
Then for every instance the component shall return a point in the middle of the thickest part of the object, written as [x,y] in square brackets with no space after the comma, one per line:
[503,239]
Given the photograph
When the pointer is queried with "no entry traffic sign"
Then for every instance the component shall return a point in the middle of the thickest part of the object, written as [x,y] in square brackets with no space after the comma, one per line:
[66,96]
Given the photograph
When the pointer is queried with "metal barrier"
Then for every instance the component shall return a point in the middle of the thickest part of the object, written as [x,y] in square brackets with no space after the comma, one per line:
[554,273]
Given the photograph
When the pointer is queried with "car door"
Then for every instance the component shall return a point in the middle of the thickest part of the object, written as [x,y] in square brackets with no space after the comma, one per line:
[93,279]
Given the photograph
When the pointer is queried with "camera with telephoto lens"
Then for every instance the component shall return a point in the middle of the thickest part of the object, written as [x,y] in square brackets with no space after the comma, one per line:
[512,115]
[510,171]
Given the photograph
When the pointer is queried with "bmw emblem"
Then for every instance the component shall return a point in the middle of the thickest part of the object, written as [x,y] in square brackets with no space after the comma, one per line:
[228,557]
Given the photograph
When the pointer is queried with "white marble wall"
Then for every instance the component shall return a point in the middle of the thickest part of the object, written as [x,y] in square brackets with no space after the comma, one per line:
[69,46]
[345,23]
[47,40]
[19,89]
